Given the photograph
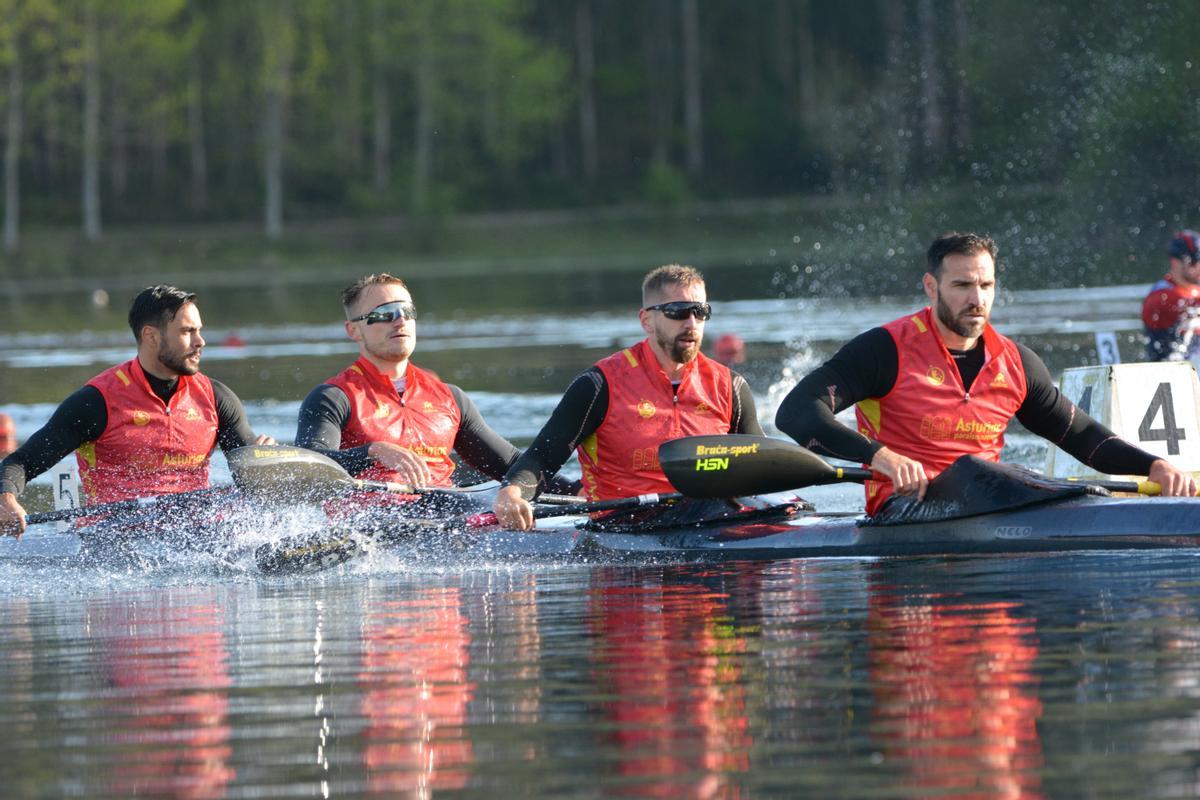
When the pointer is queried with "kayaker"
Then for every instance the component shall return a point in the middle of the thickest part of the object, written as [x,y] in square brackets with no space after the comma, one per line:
[1171,311]
[8,435]
[616,413]
[384,418]
[141,428]
[914,415]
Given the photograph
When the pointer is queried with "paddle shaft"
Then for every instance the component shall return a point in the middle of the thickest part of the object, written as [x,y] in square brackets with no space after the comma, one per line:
[121,506]
[318,551]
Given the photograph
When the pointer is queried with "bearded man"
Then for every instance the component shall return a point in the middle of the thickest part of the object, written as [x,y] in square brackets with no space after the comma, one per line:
[616,413]
[942,383]
[145,427]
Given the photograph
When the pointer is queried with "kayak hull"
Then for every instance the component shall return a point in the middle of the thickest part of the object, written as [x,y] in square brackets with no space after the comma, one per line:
[1082,523]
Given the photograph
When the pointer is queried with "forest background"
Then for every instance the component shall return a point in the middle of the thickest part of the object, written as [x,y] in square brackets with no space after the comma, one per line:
[210,137]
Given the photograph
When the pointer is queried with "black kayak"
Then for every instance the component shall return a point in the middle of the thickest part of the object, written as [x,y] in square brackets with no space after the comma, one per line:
[1085,522]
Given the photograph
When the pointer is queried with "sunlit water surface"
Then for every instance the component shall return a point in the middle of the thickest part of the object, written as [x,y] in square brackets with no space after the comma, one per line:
[193,676]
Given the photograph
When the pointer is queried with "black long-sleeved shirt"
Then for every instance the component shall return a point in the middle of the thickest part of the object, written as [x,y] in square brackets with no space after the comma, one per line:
[326,410]
[579,414]
[868,365]
[82,418]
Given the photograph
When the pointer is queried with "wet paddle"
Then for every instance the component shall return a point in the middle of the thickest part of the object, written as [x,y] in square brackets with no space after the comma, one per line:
[735,465]
[324,549]
[123,506]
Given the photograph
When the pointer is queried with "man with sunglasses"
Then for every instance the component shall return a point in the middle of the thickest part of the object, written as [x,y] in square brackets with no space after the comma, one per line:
[617,413]
[1171,311]
[942,383]
[145,427]
[384,418]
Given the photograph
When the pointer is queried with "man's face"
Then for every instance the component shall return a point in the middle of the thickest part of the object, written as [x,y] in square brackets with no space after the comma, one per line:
[678,339]
[180,342]
[1188,271]
[393,341]
[963,295]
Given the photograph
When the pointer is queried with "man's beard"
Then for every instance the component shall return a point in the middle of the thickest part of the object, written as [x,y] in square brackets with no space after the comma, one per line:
[177,361]
[960,326]
[681,352]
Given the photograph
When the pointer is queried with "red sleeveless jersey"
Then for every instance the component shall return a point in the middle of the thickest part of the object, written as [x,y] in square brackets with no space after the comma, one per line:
[425,419]
[620,459]
[148,447]
[928,415]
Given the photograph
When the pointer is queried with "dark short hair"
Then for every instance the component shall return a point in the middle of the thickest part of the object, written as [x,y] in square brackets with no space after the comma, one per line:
[157,306]
[350,293]
[954,243]
[670,275]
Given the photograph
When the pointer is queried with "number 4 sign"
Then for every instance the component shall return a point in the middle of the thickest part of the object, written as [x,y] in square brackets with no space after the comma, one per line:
[1151,405]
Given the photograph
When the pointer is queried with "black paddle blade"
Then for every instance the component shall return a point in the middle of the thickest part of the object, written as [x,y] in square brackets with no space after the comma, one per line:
[295,555]
[736,465]
[286,474]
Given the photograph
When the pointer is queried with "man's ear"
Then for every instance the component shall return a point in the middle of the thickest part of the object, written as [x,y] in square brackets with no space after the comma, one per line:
[930,284]
[151,334]
[644,318]
[352,331]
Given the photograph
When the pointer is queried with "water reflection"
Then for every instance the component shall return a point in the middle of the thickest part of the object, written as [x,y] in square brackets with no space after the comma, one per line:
[955,696]
[1044,676]
[167,701]
[414,694]
[670,662]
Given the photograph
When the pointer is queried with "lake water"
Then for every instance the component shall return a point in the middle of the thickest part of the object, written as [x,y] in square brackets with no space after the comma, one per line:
[1015,677]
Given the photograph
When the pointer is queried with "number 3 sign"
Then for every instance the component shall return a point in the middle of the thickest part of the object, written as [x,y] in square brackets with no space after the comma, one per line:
[1151,405]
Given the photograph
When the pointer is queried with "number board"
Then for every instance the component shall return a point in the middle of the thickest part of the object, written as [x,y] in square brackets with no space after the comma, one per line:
[1154,406]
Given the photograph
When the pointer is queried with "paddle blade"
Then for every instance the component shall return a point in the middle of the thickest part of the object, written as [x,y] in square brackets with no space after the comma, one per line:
[286,474]
[736,465]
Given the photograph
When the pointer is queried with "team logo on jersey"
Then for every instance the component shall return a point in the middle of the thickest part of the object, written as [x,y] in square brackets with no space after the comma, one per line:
[192,414]
[427,407]
[999,380]
[703,408]
[646,409]
[382,410]
[936,376]
[141,418]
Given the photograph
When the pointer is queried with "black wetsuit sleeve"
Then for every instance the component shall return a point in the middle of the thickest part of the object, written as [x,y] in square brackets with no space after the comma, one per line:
[578,415]
[233,428]
[487,451]
[865,367]
[477,443]
[1049,414]
[323,414]
[81,418]
[744,418]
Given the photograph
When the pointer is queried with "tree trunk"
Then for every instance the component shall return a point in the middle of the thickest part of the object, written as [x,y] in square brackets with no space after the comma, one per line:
[659,51]
[894,108]
[806,60]
[933,115]
[118,127]
[693,112]
[91,123]
[381,145]
[12,150]
[196,150]
[350,120]
[586,76]
[962,96]
[278,63]
[426,83]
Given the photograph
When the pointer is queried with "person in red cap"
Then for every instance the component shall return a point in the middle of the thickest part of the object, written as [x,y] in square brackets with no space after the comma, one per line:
[1171,311]
[729,349]
[8,435]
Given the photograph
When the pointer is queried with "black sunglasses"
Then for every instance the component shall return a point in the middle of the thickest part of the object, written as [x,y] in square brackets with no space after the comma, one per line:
[388,312]
[680,309]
